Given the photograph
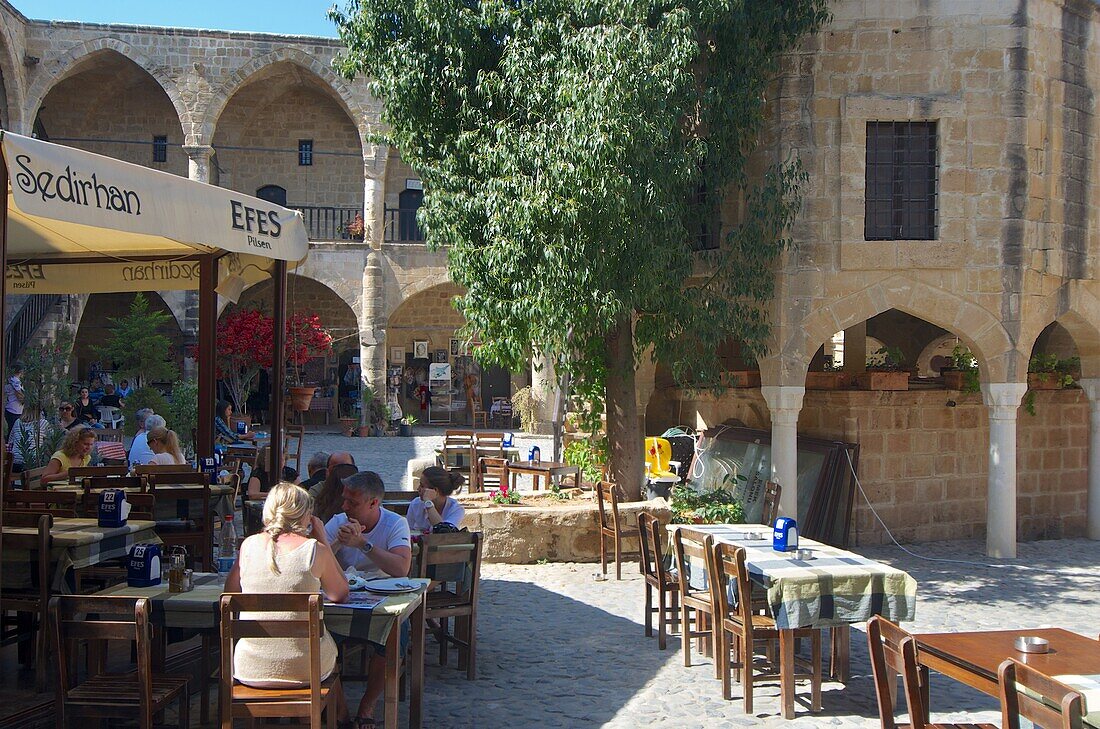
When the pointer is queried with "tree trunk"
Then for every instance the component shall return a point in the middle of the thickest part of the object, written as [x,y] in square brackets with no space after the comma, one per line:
[624,428]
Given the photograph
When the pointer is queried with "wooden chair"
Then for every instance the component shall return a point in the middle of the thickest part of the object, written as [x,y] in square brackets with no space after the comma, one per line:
[154,468]
[691,550]
[60,504]
[657,578]
[478,414]
[457,549]
[1032,695]
[483,445]
[772,491]
[457,447]
[138,695]
[607,499]
[77,474]
[398,501]
[98,483]
[491,474]
[30,602]
[293,437]
[503,416]
[196,533]
[110,435]
[239,701]
[746,627]
[31,478]
[893,652]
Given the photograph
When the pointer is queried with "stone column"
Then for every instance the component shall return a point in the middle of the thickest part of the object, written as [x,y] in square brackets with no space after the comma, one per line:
[198,161]
[372,332]
[544,386]
[1003,400]
[1091,386]
[784,404]
[374,203]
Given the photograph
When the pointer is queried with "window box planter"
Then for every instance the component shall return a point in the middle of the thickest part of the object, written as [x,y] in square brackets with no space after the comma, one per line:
[954,379]
[882,380]
[828,380]
[1044,381]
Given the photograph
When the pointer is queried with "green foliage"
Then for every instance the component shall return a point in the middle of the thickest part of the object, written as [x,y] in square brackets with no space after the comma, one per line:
[964,361]
[711,507]
[573,153]
[409,420]
[34,447]
[504,495]
[886,359]
[46,374]
[588,456]
[144,397]
[182,410]
[136,346]
[526,404]
[1049,367]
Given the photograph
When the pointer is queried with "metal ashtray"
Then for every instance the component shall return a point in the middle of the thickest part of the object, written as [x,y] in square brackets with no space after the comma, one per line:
[805,554]
[1031,644]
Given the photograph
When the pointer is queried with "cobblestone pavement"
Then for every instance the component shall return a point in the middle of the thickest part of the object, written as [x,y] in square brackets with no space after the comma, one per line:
[559,649]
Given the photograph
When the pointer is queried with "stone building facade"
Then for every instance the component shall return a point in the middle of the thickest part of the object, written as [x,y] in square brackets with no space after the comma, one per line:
[996,253]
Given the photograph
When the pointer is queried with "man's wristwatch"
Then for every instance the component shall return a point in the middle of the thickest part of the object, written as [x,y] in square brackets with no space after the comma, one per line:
[368,547]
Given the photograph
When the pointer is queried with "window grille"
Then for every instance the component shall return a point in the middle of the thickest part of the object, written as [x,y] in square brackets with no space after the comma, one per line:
[902,181]
[160,148]
[305,152]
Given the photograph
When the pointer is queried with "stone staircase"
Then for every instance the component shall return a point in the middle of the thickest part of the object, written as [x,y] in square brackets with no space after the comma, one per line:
[31,318]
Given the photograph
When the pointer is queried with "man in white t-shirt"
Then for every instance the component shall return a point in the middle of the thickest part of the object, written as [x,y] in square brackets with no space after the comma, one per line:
[140,452]
[376,541]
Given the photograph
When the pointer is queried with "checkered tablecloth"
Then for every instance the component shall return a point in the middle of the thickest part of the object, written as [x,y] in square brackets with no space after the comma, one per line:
[79,543]
[111,449]
[198,609]
[834,588]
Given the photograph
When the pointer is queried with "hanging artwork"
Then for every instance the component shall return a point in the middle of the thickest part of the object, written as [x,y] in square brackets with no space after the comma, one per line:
[440,355]
[397,355]
[420,349]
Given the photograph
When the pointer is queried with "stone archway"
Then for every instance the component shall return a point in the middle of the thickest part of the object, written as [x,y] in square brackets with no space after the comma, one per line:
[11,84]
[94,325]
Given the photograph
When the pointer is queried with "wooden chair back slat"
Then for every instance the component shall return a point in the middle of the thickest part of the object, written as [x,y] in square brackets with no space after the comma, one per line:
[98,483]
[77,474]
[1030,694]
[156,468]
[648,557]
[894,651]
[58,503]
[31,478]
[110,435]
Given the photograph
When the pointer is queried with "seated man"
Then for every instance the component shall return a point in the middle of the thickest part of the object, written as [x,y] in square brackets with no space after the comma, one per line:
[316,469]
[375,541]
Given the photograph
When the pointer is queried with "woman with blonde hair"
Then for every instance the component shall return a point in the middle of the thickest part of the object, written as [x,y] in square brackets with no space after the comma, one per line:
[165,445]
[75,450]
[291,554]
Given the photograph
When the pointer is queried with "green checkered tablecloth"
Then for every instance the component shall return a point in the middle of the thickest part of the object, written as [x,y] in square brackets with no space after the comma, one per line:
[220,496]
[79,543]
[836,587]
[198,609]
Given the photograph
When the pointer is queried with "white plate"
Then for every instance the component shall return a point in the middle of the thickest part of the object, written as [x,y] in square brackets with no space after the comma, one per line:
[391,586]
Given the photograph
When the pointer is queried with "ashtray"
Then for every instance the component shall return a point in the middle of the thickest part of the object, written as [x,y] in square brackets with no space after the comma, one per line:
[1031,644]
[805,554]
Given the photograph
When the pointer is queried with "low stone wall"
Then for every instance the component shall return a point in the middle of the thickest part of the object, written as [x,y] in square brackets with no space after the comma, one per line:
[563,532]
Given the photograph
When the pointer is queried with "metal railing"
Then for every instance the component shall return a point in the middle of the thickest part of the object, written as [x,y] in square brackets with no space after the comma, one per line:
[327,223]
[25,323]
[401,226]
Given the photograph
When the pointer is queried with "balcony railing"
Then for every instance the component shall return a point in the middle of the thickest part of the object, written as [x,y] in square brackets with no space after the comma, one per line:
[401,226]
[327,223]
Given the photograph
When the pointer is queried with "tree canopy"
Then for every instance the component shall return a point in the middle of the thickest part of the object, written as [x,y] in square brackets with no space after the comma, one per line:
[575,155]
[137,346]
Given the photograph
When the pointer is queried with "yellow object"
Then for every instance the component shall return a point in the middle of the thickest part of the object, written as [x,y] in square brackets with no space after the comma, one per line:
[658,453]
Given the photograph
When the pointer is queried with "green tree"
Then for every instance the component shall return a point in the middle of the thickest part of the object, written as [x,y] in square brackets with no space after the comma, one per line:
[574,155]
[137,347]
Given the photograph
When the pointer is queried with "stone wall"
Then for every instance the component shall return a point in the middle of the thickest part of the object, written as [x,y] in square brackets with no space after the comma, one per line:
[428,315]
[923,462]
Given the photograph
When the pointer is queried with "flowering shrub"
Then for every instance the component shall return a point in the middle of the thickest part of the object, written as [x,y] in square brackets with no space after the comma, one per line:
[306,338]
[504,495]
[356,228]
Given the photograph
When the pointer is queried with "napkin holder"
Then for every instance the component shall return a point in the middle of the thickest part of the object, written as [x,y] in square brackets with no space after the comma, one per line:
[785,535]
[113,508]
[534,455]
[209,466]
[143,567]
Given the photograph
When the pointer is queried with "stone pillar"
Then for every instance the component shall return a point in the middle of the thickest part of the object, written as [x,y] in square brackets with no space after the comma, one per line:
[1003,400]
[1091,386]
[784,404]
[372,332]
[198,161]
[374,203]
[544,386]
[855,348]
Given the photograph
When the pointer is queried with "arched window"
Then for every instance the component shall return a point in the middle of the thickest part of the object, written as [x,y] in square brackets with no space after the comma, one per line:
[273,194]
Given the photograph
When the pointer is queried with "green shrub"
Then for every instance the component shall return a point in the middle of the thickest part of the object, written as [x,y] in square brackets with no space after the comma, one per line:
[526,404]
[182,411]
[588,456]
[710,507]
[145,397]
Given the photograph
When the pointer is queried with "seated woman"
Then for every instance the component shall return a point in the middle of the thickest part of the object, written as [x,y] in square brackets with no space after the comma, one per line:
[75,450]
[435,505]
[330,494]
[259,482]
[66,416]
[86,411]
[291,554]
[165,445]
[222,430]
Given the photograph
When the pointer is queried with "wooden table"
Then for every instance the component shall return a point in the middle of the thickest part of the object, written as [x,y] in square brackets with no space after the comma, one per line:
[198,610]
[833,590]
[548,470]
[973,658]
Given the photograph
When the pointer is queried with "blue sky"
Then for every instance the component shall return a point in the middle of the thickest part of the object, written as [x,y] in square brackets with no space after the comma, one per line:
[297,17]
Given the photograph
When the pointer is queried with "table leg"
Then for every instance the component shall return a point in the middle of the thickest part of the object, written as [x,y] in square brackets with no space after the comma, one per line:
[393,663]
[786,671]
[416,688]
[841,638]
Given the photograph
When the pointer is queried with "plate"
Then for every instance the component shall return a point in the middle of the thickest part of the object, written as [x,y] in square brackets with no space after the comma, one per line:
[391,586]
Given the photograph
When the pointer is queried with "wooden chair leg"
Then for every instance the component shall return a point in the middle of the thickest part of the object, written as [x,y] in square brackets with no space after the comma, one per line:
[676,611]
[746,674]
[649,609]
[444,631]
[471,651]
[185,708]
[729,668]
[662,617]
[685,634]
[603,552]
[618,557]
[815,685]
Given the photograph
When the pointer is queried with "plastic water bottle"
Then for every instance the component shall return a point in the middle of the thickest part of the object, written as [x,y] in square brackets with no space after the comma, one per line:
[227,546]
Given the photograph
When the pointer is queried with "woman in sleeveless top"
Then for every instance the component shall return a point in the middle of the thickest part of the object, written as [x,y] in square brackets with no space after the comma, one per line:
[291,554]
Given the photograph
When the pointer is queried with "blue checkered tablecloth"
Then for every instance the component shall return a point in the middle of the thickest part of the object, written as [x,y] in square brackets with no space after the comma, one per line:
[836,587]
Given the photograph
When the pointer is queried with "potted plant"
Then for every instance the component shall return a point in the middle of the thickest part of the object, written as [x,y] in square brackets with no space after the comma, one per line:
[719,506]
[306,338]
[885,371]
[407,423]
[348,419]
[832,377]
[355,229]
[963,373]
[1047,372]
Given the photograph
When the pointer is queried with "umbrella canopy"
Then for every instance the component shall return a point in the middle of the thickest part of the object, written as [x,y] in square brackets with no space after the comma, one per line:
[143,228]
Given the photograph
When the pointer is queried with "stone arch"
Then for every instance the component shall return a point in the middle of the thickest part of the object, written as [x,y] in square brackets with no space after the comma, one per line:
[13,83]
[1078,310]
[976,327]
[429,281]
[307,293]
[211,112]
[92,323]
[81,55]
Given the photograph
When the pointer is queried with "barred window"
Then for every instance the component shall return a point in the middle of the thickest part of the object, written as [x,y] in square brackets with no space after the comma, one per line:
[305,152]
[160,149]
[902,181]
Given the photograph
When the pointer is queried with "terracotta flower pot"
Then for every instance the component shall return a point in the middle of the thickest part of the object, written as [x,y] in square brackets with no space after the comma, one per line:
[827,380]
[954,379]
[347,426]
[301,397]
[364,431]
[1044,381]
[882,380]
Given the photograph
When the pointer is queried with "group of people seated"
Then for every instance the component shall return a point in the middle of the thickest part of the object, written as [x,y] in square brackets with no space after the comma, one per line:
[310,538]
[84,409]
